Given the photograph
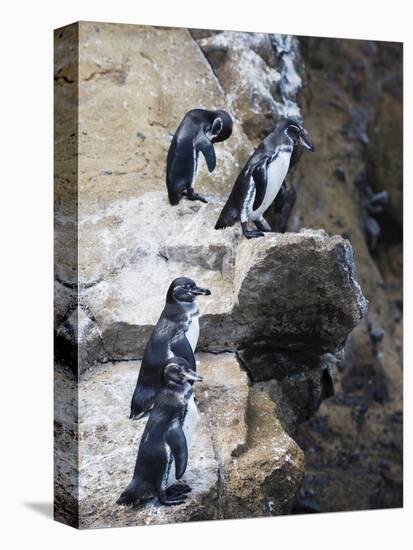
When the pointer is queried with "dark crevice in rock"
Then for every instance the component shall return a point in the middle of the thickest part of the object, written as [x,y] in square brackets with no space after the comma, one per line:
[196,35]
[243,365]
[65,79]
[77,285]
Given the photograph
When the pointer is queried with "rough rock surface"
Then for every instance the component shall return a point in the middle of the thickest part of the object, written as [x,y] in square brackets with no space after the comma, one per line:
[267,71]
[353,110]
[255,301]
[352,107]
[66,458]
[290,291]
[262,76]
[131,98]
[132,243]
[240,464]
[108,443]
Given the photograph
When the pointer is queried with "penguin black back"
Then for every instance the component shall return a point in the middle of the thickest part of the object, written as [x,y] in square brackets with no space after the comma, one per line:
[163,441]
[197,132]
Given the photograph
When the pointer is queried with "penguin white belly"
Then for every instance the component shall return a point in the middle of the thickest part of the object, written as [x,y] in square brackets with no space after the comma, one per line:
[192,334]
[246,210]
[188,427]
[190,420]
[196,167]
[276,174]
[170,475]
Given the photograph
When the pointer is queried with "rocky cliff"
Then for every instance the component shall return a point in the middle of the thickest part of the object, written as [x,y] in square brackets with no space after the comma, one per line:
[275,331]
[349,94]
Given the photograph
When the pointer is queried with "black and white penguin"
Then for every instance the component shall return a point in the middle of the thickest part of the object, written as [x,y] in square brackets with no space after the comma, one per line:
[163,449]
[175,334]
[198,131]
[262,178]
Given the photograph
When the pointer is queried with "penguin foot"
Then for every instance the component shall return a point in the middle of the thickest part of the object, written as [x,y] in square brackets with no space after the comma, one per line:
[191,196]
[196,197]
[253,234]
[178,489]
[250,234]
[171,501]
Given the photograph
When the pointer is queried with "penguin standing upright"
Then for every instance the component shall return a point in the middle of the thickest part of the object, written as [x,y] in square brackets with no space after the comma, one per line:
[175,334]
[198,131]
[262,178]
[163,449]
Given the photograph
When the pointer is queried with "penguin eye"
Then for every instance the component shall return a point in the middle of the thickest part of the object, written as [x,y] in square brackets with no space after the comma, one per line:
[293,133]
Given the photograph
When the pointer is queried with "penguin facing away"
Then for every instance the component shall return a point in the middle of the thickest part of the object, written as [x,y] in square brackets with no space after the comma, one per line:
[163,450]
[197,133]
[262,178]
[175,334]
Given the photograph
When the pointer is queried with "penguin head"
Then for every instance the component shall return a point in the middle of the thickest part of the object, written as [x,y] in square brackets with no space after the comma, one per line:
[221,127]
[184,289]
[298,134]
[178,371]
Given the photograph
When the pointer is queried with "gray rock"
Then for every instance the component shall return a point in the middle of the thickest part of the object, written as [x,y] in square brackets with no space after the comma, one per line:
[241,461]
[260,74]
[294,291]
[289,290]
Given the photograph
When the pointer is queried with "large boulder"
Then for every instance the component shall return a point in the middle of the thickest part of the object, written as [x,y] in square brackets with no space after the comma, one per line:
[260,466]
[291,291]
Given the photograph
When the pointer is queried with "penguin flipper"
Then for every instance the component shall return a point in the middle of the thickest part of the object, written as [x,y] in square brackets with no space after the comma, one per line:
[142,400]
[176,440]
[181,347]
[231,213]
[260,179]
[281,197]
[135,491]
[228,217]
[203,144]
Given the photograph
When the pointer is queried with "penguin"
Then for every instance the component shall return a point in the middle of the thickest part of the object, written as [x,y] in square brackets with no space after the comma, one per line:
[163,450]
[198,131]
[175,334]
[262,179]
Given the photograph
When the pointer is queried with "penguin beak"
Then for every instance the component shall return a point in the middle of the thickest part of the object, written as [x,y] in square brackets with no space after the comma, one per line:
[198,291]
[193,376]
[306,143]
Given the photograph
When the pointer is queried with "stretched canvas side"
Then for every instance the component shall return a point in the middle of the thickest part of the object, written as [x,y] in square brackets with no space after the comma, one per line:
[66,315]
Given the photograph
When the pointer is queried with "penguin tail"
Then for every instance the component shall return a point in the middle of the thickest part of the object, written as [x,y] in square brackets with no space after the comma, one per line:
[227,218]
[142,401]
[174,199]
[175,190]
[134,492]
[137,415]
